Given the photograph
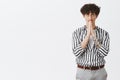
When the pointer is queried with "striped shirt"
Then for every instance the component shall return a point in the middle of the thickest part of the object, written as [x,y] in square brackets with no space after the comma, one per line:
[91,55]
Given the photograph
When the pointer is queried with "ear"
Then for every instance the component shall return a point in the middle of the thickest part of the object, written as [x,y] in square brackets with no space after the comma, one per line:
[83,15]
[96,16]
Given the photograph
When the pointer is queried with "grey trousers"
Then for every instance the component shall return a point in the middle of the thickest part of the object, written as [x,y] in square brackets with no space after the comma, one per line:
[85,74]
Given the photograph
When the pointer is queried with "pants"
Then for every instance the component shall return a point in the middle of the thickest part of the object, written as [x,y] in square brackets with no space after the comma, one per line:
[84,74]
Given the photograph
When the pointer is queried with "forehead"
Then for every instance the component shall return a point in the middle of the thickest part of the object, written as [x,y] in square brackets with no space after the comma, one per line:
[90,13]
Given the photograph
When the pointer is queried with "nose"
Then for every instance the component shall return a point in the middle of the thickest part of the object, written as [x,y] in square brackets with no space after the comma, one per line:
[90,17]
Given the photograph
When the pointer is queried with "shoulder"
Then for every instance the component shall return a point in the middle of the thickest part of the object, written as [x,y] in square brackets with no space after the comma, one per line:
[78,30]
[102,31]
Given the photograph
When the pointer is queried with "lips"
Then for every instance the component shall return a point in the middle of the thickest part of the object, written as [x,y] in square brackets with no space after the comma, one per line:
[90,20]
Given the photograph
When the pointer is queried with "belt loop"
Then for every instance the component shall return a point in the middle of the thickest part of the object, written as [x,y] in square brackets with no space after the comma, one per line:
[99,67]
[90,68]
[84,67]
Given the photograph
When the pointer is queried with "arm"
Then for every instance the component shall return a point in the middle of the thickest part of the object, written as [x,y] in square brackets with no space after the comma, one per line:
[85,41]
[103,48]
[79,46]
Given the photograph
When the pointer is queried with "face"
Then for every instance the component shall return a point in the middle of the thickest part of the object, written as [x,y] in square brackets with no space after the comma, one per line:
[90,17]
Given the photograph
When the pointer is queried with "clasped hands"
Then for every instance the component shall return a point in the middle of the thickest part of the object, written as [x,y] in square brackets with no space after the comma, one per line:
[90,31]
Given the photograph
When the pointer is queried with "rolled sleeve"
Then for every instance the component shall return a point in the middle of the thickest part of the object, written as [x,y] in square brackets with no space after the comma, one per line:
[76,45]
[104,47]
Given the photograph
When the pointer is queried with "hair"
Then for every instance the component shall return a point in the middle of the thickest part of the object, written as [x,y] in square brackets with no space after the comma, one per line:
[91,7]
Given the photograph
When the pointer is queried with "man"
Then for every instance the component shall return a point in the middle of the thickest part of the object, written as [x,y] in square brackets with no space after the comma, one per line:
[90,44]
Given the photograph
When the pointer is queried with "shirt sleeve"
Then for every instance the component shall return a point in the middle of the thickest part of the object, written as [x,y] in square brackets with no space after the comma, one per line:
[104,47]
[76,44]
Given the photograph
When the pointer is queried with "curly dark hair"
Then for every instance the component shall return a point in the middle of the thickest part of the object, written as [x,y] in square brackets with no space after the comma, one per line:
[91,7]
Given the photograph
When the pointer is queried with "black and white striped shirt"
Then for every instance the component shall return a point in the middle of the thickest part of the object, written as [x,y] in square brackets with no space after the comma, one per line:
[91,55]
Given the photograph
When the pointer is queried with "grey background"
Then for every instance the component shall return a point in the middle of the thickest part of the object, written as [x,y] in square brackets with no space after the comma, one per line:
[35,38]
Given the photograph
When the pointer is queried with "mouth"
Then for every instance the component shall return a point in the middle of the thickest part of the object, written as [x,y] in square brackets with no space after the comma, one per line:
[90,20]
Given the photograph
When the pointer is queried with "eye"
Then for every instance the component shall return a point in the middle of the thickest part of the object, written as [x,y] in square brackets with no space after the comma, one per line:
[93,14]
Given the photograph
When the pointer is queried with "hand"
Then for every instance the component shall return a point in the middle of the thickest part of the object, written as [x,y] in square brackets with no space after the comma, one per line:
[92,32]
[90,27]
[95,39]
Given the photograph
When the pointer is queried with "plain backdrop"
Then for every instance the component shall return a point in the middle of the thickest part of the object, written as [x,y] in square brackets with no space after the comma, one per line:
[36,38]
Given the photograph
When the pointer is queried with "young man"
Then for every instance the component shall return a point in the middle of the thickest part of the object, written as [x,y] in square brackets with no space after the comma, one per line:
[90,44]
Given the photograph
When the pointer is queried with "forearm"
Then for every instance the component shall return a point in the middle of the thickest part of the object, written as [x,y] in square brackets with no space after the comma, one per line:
[103,48]
[97,43]
[85,41]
